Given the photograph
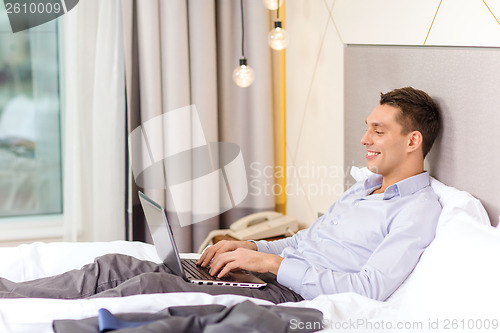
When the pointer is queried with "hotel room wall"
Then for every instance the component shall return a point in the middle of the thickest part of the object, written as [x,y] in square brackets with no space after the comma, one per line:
[318,30]
[314,79]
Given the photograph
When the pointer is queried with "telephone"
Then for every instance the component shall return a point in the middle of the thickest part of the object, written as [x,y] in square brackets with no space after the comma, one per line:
[256,226]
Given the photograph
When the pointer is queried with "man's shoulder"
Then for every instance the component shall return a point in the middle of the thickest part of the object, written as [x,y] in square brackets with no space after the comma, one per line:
[427,196]
[423,202]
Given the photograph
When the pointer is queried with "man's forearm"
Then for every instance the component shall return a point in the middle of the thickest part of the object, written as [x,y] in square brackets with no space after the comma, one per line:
[275,262]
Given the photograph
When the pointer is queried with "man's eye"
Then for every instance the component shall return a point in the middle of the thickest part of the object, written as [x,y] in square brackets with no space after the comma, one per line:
[378,132]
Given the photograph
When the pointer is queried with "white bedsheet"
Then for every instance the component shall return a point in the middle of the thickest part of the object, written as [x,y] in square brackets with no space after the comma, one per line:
[454,286]
[37,260]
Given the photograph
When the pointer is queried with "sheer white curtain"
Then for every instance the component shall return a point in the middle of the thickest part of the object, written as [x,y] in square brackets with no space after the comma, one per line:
[93,86]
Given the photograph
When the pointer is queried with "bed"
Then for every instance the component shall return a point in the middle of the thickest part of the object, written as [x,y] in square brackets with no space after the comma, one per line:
[454,286]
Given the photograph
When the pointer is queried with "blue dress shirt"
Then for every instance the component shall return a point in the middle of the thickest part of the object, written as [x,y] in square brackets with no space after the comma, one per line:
[365,243]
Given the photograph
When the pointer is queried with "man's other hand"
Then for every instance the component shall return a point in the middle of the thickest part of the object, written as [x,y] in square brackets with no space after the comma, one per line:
[222,247]
[226,256]
[247,259]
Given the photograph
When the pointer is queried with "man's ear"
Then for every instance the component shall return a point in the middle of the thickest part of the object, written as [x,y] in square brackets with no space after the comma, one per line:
[415,140]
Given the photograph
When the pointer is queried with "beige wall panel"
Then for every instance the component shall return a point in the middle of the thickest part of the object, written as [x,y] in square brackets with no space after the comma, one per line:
[314,109]
[465,23]
[384,21]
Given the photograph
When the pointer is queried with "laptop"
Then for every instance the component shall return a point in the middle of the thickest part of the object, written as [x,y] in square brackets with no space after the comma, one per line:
[164,243]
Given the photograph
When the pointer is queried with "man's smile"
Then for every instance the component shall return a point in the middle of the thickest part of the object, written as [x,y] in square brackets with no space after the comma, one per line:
[371,154]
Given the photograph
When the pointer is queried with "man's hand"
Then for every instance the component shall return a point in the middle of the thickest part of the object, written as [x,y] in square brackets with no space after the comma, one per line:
[230,255]
[242,258]
[222,247]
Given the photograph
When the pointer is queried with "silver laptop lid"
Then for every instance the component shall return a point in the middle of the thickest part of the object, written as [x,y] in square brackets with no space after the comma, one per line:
[162,234]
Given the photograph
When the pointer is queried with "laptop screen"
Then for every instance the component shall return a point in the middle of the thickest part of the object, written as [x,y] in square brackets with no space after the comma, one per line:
[162,234]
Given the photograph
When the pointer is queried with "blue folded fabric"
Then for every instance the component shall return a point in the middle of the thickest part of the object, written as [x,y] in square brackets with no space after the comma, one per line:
[108,322]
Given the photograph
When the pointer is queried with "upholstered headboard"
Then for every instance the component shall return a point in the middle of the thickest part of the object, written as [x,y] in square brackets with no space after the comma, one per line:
[466,84]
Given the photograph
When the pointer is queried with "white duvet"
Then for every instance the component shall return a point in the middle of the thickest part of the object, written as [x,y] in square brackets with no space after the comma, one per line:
[37,260]
[453,288]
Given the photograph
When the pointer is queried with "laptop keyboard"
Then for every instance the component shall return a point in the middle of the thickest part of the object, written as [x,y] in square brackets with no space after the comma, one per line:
[196,271]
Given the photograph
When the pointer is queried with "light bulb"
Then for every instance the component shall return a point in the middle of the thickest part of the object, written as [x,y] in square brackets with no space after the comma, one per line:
[278,37]
[243,75]
[272,4]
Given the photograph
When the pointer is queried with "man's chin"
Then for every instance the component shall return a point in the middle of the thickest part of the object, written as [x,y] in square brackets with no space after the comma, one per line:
[372,168]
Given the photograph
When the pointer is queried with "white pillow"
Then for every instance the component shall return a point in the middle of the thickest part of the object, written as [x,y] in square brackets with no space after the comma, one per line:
[457,275]
[460,255]
[455,203]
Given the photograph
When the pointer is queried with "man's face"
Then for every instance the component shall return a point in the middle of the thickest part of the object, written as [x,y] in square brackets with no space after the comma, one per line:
[386,147]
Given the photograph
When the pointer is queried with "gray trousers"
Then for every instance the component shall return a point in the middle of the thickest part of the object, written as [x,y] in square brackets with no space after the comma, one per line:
[115,275]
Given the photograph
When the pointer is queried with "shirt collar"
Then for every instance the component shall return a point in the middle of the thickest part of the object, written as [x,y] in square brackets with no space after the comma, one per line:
[402,188]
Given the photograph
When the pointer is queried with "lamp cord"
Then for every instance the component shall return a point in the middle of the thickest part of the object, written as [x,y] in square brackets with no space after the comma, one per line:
[242,31]
[278,11]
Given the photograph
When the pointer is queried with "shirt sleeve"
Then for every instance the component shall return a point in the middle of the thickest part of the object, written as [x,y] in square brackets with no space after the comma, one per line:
[277,246]
[410,232]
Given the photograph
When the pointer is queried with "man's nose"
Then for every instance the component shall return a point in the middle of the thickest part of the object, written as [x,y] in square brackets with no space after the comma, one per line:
[366,139]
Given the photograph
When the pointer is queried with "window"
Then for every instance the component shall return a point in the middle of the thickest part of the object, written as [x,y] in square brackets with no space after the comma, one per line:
[30,134]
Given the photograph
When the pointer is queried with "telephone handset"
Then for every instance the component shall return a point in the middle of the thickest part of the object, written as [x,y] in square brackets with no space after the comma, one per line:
[263,225]
[256,226]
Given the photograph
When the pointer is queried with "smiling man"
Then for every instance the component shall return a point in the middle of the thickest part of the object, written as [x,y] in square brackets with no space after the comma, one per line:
[370,240]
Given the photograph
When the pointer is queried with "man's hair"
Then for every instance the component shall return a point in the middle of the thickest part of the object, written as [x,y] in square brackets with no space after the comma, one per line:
[418,112]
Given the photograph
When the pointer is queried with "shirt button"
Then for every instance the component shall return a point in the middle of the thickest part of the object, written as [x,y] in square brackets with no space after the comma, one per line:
[335,222]
[356,204]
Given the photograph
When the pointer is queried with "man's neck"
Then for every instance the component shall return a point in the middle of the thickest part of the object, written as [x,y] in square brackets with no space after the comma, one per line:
[393,179]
